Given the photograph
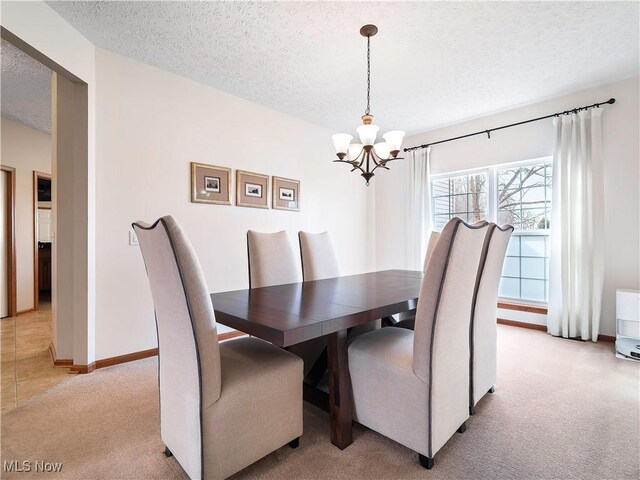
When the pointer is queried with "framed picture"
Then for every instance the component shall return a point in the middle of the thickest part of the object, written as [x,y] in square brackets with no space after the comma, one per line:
[286,194]
[252,189]
[210,184]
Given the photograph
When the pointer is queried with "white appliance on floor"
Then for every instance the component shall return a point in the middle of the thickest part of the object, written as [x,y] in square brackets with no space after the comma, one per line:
[628,324]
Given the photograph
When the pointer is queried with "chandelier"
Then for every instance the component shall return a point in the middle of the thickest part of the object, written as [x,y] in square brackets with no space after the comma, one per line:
[368,155]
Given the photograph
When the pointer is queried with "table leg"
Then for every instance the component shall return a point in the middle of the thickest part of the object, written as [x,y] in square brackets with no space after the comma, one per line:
[339,390]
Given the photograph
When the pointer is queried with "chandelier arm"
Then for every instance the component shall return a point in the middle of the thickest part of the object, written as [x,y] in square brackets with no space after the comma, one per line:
[375,156]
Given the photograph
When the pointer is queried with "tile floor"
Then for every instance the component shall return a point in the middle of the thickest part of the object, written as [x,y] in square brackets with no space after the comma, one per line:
[26,368]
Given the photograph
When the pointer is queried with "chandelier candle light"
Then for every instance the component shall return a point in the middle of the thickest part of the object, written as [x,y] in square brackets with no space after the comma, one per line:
[368,155]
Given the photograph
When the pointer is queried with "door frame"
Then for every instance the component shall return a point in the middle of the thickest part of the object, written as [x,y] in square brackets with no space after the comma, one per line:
[73,158]
[11,240]
[36,266]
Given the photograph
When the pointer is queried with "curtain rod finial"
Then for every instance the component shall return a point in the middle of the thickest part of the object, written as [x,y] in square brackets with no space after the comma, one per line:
[611,101]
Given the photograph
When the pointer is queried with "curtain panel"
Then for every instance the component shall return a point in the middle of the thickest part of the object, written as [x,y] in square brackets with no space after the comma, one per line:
[577,228]
[419,207]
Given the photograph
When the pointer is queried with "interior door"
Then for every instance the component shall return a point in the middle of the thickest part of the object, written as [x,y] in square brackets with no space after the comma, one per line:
[4,245]
[44,225]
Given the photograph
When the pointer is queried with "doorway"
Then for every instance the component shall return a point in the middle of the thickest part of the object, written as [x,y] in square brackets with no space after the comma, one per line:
[73,185]
[43,238]
[7,242]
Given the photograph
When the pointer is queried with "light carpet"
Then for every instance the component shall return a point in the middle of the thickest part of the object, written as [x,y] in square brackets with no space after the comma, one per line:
[562,409]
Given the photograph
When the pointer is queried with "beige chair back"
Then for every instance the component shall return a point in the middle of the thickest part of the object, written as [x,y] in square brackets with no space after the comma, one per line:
[271,259]
[433,239]
[318,256]
[189,356]
[441,337]
[483,325]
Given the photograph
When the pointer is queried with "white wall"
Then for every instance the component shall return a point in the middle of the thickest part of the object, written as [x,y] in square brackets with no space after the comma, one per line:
[27,150]
[38,25]
[621,177]
[151,124]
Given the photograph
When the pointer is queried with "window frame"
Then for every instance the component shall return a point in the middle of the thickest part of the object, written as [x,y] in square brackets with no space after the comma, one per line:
[492,208]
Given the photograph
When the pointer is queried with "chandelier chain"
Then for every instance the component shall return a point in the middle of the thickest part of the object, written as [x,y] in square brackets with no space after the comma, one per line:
[367,111]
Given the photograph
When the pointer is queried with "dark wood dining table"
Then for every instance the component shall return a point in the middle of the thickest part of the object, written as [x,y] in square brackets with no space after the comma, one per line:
[293,313]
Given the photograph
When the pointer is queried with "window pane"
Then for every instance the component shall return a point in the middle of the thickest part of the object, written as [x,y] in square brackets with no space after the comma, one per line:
[524,196]
[463,196]
[509,217]
[440,187]
[533,268]
[533,290]
[460,184]
[533,245]
[511,267]
[441,221]
[532,219]
[509,287]
[514,246]
[442,205]
[459,203]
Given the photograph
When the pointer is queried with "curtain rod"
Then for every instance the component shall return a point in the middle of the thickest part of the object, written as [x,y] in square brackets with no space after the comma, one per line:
[488,132]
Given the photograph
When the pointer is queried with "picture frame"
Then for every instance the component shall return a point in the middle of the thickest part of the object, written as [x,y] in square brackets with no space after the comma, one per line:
[286,194]
[252,189]
[210,184]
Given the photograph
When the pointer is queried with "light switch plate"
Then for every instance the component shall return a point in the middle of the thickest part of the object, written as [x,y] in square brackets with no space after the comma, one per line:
[133,238]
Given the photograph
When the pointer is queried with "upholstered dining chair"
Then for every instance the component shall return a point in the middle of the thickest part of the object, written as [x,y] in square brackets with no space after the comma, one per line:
[318,257]
[222,406]
[483,323]
[271,259]
[408,319]
[272,262]
[319,261]
[424,373]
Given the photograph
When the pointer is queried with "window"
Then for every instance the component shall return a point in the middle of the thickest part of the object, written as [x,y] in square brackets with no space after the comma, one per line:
[463,196]
[517,194]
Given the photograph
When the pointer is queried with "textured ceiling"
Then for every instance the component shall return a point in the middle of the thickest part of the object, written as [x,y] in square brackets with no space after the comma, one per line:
[433,63]
[25,88]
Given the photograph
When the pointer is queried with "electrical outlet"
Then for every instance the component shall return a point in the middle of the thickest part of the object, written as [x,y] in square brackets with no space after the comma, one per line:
[133,238]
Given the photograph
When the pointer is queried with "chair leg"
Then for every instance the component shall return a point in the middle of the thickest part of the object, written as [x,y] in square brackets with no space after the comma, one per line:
[295,443]
[426,462]
[462,428]
[492,389]
[167,452]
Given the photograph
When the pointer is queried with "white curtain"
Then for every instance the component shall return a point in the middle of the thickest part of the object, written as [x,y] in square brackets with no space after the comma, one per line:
[419,207]
[576,263]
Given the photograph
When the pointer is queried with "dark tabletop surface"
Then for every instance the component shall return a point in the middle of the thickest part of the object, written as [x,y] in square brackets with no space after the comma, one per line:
[292,313]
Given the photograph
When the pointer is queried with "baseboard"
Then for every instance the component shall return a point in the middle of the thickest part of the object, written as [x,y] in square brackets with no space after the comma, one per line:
[513,323]
[523,308]
[543,328]
[607,338]
[25,311]
[128,357]
[83,368]
[59,362]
